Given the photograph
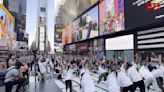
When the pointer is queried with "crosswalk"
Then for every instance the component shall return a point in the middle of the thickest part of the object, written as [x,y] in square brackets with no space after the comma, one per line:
[101,87]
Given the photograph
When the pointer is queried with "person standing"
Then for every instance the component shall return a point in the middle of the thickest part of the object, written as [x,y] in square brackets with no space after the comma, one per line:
[148,76]
[12,61]
[159,75]
[87,83]
[123,80]
[42,67]
[135,76]
[68,79]
[112,80]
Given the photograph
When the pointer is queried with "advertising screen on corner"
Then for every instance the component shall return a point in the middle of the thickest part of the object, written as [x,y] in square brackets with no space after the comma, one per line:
[111,16]
[143,12]
[86,26]
[120,43]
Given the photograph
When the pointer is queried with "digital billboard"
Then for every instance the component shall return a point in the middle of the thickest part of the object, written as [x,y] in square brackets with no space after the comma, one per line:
[6,28]
[140,13]
[86,26]
[111,14]
[58,34]
[67,34]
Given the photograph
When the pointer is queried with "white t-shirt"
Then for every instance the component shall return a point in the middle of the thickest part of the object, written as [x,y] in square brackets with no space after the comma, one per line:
[158,72]
[133,74]
[69,75]
[42,67]
[87,83]
[101,70]
[145,73]
[112,83]
[123,79]
[11,74]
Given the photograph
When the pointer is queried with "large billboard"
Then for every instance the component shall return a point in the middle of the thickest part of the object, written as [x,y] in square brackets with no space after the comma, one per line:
[58,34]
[6,28]
[143,12]
[86,26]
[120,47]
[111,16]
[67,35]
[42,38]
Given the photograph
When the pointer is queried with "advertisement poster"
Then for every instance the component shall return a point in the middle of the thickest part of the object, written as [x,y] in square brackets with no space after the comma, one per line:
[86,26]
[140,13]
[111,16]
[67,35]
[6,28]
[58,34]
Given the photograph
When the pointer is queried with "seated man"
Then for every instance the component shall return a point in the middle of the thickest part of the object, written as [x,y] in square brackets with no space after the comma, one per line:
[13,77]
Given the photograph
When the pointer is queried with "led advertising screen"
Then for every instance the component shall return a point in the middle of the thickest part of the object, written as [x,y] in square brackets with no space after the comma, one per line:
[86,26]
[140,13]
[120,43]
[6,28]
[111,14]
[67,35]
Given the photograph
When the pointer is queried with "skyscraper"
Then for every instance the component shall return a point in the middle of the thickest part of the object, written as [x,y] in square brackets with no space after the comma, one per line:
[41,34]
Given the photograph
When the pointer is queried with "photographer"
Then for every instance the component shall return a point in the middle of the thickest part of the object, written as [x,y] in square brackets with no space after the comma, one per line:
[13,77]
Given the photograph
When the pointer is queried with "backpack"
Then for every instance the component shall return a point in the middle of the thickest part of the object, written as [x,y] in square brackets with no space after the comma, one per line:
[2,76]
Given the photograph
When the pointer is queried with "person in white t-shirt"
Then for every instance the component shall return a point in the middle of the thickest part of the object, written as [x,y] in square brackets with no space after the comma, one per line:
[148,76]
[123,79]
[68,79]
[102,73]
[136,77]
[112,80]
[159,75]
[87,83]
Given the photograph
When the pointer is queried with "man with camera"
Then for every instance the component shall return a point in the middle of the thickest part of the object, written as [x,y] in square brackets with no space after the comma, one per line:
[13,77]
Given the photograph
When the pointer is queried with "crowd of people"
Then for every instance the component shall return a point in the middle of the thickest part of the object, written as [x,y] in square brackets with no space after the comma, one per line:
[120,75]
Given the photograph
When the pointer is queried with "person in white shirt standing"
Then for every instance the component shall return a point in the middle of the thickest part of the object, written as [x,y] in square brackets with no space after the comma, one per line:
[87,83]
[123,80]
[136,77]
[159,75]
[68,79]
[112,80]
[148,76]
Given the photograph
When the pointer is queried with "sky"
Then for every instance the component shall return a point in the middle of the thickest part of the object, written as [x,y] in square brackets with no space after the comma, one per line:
[31,20]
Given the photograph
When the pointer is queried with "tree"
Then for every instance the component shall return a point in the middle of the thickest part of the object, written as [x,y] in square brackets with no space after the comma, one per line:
[33,46]
[48,47]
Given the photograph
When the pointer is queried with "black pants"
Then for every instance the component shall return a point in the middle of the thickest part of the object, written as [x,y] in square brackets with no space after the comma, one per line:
[9,85]
[139,84]
[129,88]
[25,74]
[68,85]
[103,75]
[160,83]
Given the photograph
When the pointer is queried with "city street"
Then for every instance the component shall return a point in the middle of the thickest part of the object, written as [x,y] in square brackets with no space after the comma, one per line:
[81,45]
